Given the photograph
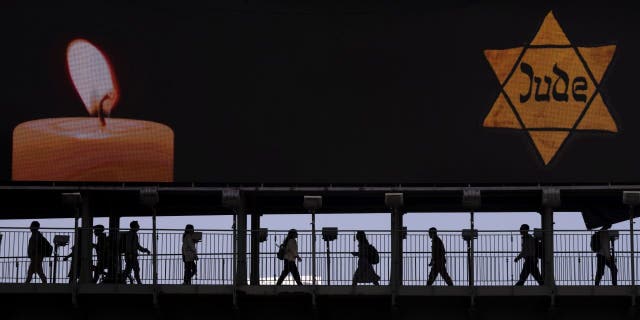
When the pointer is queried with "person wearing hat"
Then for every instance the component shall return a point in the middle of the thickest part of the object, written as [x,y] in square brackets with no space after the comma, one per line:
[36,251]
[528,252]
[132,246]
[604,257]
[101,252]
[189,254]
[438,260]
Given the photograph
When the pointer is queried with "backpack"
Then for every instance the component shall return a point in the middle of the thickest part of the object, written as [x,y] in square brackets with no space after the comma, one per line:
[282,248]
[47,248]
[595,242]
[374,256]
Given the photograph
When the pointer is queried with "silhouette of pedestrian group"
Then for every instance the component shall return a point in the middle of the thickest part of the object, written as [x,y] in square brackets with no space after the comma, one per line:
[110,248]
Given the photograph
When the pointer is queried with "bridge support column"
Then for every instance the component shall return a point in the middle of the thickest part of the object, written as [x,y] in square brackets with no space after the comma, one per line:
[241,276]
[395,202]
[550,200]
[115,268]
[255,249]
[231,198]
[85,240]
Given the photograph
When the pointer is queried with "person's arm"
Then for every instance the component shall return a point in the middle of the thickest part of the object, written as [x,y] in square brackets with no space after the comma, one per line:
[191,246]
[294,249]
[521,255]
[141,248]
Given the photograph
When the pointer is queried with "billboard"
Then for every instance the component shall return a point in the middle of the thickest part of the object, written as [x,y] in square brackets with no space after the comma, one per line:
[241,93]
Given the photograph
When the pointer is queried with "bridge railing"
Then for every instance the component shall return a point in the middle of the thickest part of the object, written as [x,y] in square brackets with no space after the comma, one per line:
[493,258]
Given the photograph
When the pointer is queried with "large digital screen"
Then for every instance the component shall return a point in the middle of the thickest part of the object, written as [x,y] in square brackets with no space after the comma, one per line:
[282,93]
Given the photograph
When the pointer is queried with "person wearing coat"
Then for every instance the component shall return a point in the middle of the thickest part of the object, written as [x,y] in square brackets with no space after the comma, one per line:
[132,246]
[290,257]
[365,272]
[189,254]
[35,252]
[438,260]
[528,253]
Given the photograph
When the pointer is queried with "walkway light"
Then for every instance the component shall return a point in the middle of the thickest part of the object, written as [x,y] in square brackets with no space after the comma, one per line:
[329,233]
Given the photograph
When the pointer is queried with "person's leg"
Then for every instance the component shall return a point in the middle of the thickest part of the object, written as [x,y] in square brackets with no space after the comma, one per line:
[136,270]
[535,271]
[614,271]
[39,270]
[194,269]
[432,275]
[445,275]
[98,271]
[128,267]
[30,271]
[295,273]
[524,274]
[187,273]
[600,262]
[284,273]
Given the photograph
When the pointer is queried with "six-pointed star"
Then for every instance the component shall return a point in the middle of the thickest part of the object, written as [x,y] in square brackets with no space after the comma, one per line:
[550,88]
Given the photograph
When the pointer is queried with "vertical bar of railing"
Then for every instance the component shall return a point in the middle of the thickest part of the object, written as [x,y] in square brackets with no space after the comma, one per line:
[471,253]
[313,247]
[632,247]
[154,244]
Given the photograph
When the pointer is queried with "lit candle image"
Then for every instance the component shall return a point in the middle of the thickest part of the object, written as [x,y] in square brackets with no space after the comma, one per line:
[97,148]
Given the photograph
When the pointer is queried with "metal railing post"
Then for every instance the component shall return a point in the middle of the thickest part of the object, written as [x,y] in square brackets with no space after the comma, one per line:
[313,247]
[154,244]
[632,246]
[313,203]
[632,199]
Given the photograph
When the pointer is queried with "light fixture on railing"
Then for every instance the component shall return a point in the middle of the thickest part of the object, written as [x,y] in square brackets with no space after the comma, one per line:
[61,240]
[468,234]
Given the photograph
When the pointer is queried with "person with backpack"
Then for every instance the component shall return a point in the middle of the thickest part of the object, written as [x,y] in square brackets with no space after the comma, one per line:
[600,244]
[367,257]
[528,252]
[189,254]
[38,248]
[438,260]
[132,246]
[290,255]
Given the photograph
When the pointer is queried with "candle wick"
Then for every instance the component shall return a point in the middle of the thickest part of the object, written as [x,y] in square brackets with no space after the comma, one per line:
[101,113]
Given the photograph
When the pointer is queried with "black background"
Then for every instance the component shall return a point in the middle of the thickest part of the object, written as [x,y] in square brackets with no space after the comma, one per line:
[282,92]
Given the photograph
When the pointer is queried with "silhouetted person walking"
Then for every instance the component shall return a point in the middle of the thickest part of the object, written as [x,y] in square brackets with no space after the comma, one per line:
[37,249]
[132,246]
[528,252]
[75,263]
[600,243]
[189,254]
[290,257]
[438,261]
[101,252]
[367,256]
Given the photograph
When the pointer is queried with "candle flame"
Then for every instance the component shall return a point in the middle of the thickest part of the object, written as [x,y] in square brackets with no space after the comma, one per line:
[93,77]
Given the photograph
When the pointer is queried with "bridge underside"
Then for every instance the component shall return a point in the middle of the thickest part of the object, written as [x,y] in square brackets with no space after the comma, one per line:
[597,202]
[337,302]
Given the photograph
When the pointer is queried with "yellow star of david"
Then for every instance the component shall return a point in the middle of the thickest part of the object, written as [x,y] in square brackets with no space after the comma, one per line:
[550,88]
